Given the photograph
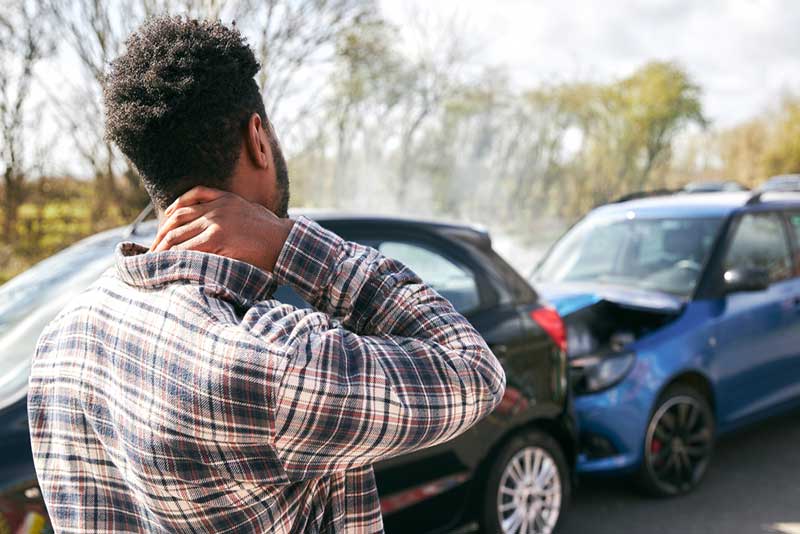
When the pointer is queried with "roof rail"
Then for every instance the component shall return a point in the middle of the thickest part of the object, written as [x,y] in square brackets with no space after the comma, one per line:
[645,194]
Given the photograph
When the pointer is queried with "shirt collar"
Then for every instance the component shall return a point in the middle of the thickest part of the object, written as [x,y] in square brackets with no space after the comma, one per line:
[228,278]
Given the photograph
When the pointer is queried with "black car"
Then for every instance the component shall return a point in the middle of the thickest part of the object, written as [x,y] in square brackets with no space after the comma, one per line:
[511,470]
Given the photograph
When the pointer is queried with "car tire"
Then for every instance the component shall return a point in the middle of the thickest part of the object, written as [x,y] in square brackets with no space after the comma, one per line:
[528,482]
[678,443]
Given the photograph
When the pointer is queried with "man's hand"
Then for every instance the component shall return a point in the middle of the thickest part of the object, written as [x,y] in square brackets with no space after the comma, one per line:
[209,220]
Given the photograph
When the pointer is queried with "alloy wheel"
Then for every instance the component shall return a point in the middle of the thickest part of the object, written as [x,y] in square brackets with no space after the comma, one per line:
[678,445]
[529,495]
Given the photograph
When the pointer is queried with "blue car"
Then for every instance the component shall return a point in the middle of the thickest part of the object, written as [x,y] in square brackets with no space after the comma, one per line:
[683,323]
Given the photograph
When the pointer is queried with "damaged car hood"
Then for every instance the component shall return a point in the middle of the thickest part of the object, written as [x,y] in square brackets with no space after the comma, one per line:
[568,298]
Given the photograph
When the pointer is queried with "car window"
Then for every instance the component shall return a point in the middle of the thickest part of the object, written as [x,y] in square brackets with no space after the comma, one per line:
[760,243]
[454,282]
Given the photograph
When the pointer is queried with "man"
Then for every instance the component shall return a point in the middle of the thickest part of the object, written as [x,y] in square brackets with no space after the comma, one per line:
[175,395]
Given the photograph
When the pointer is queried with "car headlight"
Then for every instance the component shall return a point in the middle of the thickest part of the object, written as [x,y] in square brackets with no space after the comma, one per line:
[591,374]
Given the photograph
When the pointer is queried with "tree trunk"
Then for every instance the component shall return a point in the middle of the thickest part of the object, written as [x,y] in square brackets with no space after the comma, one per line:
[11,202]
[404,183]
[106,191]
[9,222]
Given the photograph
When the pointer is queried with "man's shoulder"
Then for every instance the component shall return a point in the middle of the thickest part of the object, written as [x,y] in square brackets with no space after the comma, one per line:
[110,300]
[200,312]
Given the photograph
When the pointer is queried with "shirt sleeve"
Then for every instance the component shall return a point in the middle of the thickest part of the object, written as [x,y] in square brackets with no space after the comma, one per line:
[397,370]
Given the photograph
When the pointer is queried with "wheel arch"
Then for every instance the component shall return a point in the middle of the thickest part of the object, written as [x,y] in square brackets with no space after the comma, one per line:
[647,479]
[551,427]
[695,379]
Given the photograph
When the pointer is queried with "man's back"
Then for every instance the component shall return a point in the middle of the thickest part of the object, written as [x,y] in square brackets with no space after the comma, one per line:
[174,396]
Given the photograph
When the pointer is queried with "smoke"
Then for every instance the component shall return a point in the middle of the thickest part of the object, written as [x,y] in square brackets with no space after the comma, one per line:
[374,187]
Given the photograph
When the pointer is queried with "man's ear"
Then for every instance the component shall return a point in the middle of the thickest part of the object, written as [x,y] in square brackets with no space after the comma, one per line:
[257,148]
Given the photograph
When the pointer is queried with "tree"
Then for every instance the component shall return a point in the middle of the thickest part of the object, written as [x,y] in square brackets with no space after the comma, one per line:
[292,40]
[295,42]
[782,155]
[431,76]
[764,146]
[95,31]
[387,90]
[21,47]
[627,129]
[659,100]
[741,150]
[364,92]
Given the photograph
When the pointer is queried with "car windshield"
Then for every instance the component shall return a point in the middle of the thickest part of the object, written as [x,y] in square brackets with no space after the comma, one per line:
[654,254]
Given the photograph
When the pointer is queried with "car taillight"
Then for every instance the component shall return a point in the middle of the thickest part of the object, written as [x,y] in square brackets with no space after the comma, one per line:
[551,322]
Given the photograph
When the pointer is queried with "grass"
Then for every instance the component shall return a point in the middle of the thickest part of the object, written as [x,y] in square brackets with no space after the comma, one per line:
[46,228]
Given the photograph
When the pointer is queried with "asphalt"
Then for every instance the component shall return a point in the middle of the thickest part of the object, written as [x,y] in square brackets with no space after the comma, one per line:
[752,486]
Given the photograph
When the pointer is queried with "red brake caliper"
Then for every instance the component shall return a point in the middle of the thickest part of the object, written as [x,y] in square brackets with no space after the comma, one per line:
[655,446]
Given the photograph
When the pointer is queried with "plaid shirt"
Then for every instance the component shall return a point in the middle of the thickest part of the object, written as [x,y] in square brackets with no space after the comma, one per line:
[175,396]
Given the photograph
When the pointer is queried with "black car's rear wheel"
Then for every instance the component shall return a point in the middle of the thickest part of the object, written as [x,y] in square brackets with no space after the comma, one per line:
[678,444]
[527,488]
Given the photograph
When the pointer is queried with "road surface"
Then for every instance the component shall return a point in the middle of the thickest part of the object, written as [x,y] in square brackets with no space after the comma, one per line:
[752,487]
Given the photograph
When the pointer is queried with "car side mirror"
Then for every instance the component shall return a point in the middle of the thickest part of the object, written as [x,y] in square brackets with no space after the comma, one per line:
[746,279]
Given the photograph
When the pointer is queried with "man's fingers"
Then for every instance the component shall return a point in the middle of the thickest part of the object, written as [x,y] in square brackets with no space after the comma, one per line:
[201,243]
[178,235]
[181,216]
[196,195]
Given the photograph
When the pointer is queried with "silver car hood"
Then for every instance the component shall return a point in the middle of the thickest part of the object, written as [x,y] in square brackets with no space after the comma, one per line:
[29,301]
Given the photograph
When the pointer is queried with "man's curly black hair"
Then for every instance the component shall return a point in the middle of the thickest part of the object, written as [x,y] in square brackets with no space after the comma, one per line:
[176,102]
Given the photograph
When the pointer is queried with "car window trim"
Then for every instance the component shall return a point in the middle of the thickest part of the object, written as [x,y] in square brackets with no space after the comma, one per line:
[710,282]
[793,235]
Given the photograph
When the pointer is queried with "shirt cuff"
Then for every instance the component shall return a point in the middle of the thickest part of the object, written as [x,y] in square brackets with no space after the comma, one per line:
[308,258]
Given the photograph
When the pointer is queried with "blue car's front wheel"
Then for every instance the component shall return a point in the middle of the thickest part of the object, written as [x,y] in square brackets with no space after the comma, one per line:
[679,442]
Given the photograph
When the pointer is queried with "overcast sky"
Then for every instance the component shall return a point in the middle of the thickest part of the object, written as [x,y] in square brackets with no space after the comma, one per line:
[744,53]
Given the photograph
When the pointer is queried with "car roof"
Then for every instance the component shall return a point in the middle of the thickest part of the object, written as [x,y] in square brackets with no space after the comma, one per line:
[472,233]
[719,204]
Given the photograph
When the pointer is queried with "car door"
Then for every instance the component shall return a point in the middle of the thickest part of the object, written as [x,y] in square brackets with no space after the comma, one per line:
[757,334]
